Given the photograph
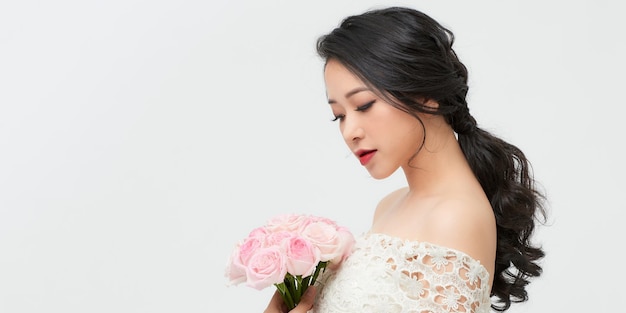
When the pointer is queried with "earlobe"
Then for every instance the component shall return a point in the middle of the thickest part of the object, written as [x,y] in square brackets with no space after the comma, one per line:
[431,104]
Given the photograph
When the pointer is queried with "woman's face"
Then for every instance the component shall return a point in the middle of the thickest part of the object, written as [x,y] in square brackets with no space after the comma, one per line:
[382,137]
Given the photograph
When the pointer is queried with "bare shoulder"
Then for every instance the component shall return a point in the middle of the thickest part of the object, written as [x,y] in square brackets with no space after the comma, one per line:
[388,201]
[467,225]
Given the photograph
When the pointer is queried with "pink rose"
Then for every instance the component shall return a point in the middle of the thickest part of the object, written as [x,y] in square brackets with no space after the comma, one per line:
[247,249]
[266,267]
[323,220]
[235,271]
[259,232]
[287,222]
[326,237]
[346,243]
[277,238]
[302,256]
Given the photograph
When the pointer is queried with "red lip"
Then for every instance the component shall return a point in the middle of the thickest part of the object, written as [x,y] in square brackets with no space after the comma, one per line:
[365,155]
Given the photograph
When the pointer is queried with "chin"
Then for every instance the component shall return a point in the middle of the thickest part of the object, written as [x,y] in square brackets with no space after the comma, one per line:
[379,175]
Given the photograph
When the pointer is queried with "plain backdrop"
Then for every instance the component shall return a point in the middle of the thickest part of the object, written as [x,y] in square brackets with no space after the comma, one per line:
[140,140]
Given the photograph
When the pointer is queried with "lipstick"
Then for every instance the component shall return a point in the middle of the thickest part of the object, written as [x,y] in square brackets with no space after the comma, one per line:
[365,156]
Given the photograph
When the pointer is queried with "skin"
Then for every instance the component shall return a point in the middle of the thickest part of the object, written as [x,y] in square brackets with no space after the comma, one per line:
[277,305]
[443,202]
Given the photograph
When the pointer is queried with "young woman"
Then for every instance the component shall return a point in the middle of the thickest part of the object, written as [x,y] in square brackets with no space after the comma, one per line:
[457,238]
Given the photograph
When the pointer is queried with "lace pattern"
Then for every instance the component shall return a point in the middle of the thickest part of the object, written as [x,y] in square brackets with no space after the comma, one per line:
[389,274]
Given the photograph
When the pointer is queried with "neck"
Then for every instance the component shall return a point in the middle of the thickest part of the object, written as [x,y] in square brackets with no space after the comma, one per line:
[438,164]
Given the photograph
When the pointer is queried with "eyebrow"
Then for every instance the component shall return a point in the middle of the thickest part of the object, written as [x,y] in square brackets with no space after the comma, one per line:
[350,93]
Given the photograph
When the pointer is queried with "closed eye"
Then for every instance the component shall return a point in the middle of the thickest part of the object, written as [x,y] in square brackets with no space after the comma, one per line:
[362,108]
[366,106]
[338,117]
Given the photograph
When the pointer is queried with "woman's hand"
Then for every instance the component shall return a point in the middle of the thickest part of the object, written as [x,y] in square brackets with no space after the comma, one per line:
[277,305]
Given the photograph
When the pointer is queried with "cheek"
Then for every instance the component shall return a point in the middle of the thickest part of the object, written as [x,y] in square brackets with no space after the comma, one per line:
[408,123]
[406,134]
[398,124]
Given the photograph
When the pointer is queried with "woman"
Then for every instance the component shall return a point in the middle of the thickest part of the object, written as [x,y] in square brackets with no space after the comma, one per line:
[457,238]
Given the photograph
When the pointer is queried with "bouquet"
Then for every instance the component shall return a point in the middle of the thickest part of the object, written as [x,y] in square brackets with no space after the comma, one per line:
[290,251]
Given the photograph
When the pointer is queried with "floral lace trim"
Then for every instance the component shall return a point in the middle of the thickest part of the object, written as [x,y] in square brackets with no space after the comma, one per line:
[390,274]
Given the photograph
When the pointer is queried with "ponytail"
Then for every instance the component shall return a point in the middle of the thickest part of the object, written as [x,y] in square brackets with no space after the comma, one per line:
[505,175]
[507,179]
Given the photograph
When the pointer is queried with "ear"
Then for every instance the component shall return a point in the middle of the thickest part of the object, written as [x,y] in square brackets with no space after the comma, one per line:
[431,104]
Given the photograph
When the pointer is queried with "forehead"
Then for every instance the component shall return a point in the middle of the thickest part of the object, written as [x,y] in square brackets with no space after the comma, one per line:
[339,79]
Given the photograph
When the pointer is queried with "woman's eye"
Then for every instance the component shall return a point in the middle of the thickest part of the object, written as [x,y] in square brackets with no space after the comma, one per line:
[365,106]
[338,117]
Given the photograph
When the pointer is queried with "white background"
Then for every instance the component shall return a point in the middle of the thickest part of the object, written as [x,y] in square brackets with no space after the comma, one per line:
[139,140]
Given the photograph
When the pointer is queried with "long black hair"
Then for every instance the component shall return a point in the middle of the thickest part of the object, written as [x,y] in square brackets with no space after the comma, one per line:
[407,56]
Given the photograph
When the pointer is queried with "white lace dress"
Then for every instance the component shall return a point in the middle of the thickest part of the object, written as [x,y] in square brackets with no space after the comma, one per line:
[386,274]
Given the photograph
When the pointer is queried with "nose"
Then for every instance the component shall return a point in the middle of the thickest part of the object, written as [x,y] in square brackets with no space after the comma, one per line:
[352,130]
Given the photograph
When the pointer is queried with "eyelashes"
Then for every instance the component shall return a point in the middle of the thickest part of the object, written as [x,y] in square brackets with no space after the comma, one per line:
[337,117]
[362,108]
[366,106]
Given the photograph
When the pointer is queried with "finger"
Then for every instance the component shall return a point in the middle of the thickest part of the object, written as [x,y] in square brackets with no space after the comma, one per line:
[306,302]
[275,304]
[309,296]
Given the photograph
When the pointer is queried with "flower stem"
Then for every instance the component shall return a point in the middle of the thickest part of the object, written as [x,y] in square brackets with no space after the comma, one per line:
[293,287]
[286,295]
[320,267]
